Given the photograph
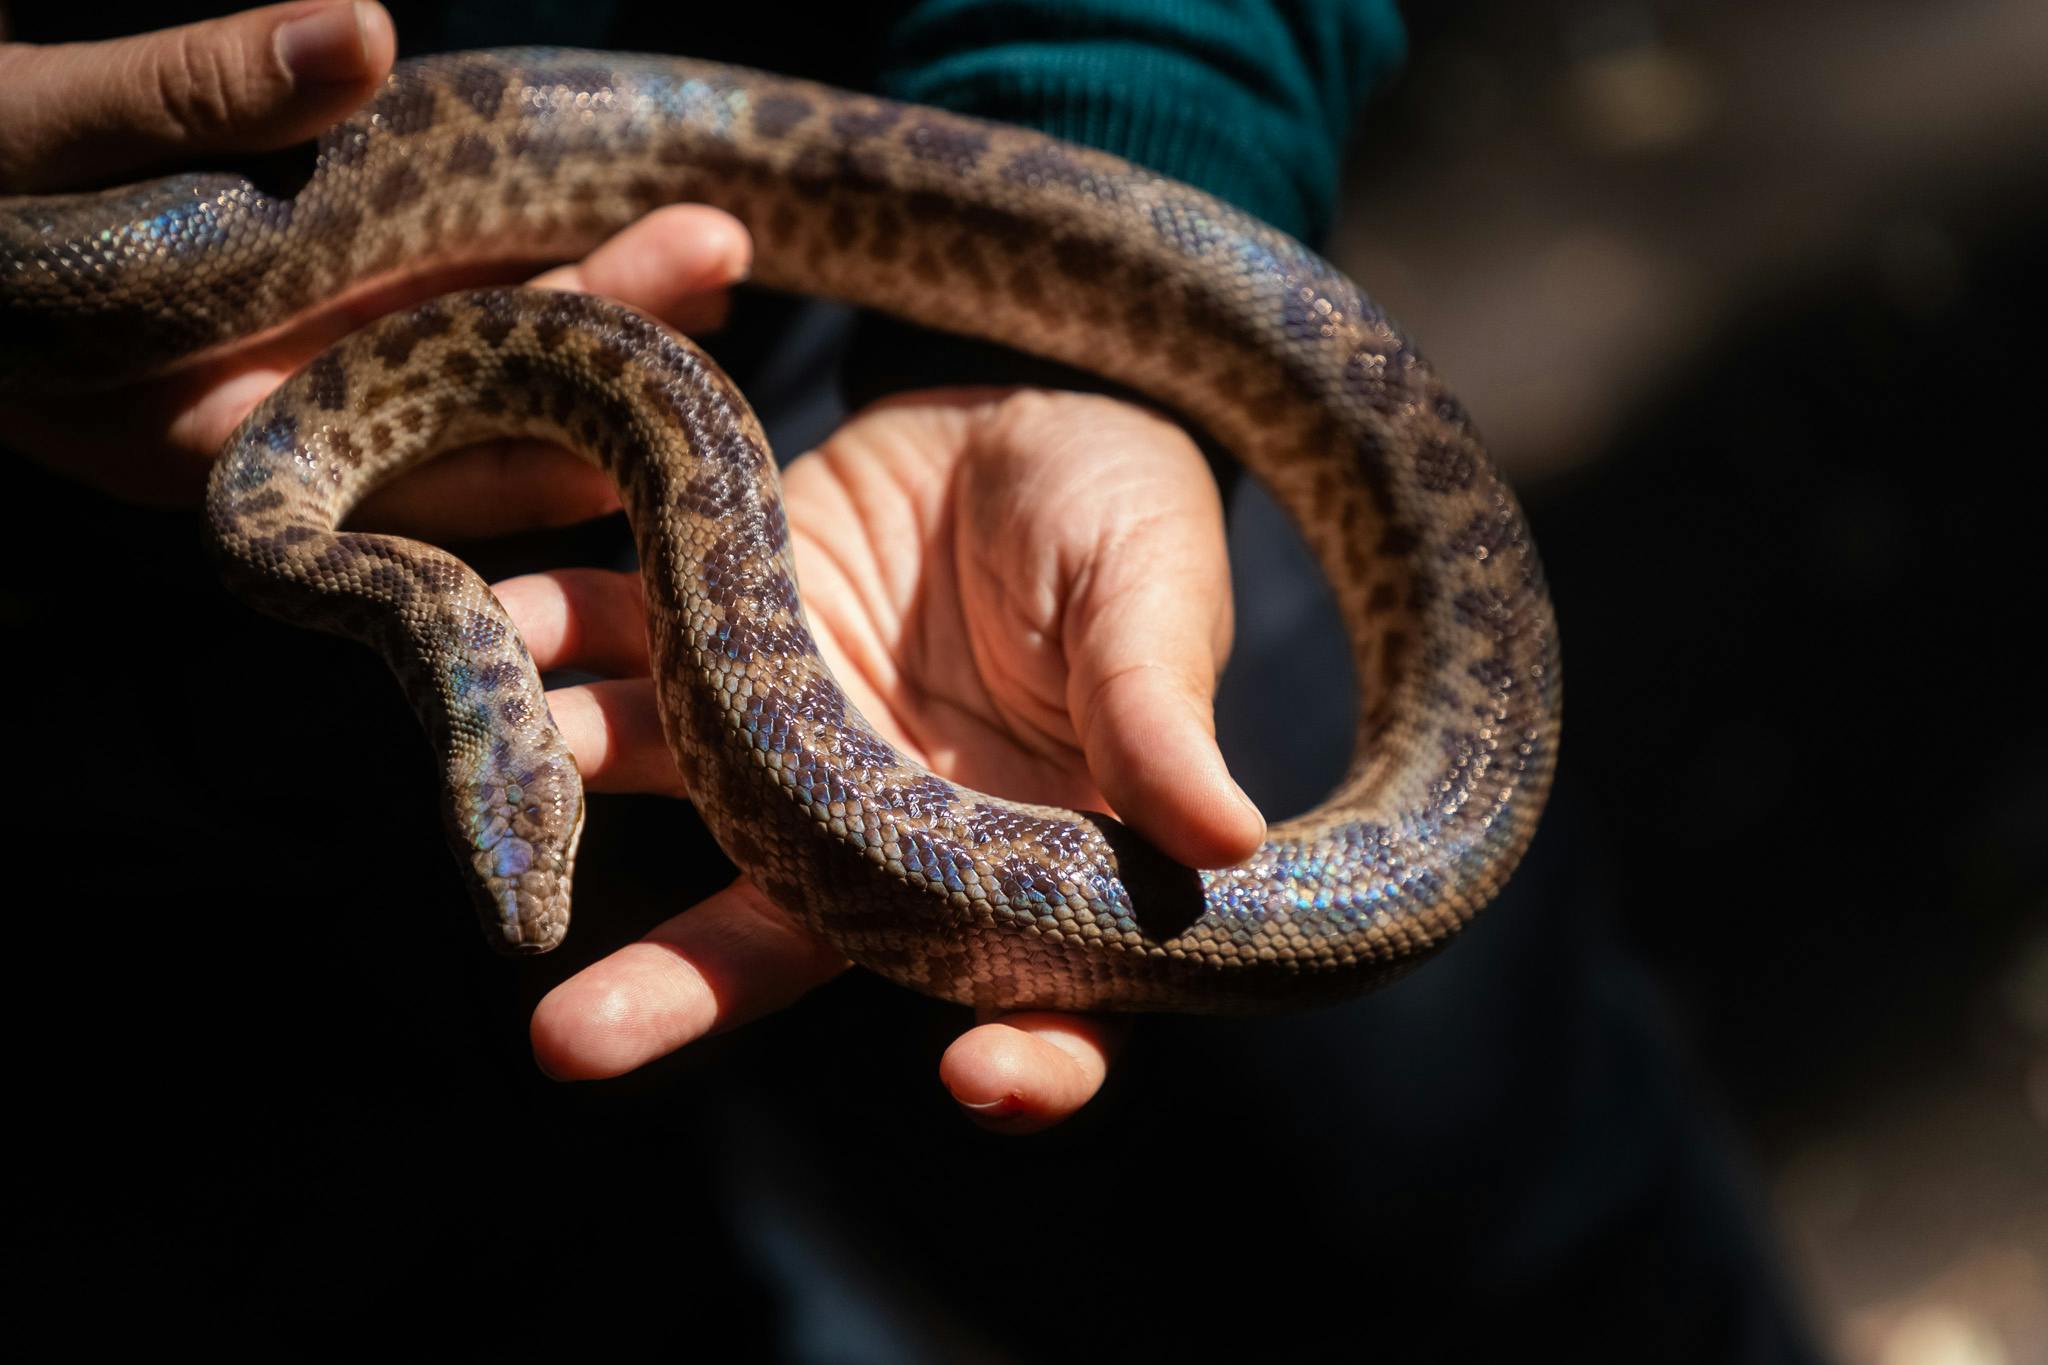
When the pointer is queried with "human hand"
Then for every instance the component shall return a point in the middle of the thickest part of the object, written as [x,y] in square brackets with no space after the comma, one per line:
[267,78]
[1027,592]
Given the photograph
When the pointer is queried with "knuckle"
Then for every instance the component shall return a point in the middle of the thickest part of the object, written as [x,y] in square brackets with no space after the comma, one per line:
[198,82]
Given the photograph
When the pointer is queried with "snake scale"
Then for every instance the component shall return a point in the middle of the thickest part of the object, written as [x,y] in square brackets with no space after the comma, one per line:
[990,231]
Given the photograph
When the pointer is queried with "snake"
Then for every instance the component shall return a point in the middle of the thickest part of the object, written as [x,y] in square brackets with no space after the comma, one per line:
[970,227]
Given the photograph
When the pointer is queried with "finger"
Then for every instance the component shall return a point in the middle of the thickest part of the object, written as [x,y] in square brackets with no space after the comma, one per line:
[593,620]
[79,112]
[1025,1072]
[675,263]
[615,733]
[489,490]
[732,958]
[1150,735]
[1144,648]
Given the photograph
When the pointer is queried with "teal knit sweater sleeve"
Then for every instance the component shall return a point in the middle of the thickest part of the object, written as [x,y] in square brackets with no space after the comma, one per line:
[1248,99]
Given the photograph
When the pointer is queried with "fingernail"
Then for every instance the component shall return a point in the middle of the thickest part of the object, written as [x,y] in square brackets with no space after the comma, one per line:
[1002,1106]
[1003,1116]
[328,46]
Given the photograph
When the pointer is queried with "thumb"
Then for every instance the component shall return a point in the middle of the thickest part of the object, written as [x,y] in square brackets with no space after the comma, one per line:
[1144,645]
[76,113]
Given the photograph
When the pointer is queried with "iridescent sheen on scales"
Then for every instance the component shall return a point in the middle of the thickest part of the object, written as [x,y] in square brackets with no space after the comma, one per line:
[990,231]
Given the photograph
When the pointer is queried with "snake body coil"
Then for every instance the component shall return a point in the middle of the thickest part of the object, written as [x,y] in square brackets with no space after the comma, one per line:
[990,231]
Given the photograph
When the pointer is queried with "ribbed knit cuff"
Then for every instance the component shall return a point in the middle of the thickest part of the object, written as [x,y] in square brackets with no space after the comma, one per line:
[1161,110]
[1247,99]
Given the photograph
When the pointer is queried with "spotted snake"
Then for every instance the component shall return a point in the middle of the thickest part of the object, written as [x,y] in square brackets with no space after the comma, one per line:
[984,230]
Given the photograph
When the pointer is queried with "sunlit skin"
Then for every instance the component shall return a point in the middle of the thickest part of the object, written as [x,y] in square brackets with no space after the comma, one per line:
[1026,591]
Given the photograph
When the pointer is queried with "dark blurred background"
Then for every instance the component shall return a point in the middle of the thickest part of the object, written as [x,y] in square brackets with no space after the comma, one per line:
[1749,299]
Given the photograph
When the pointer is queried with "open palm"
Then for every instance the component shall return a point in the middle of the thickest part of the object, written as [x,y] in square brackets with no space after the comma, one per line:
[1027,592]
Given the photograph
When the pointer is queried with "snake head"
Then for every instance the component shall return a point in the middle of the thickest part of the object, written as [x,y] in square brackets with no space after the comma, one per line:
[523,827]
